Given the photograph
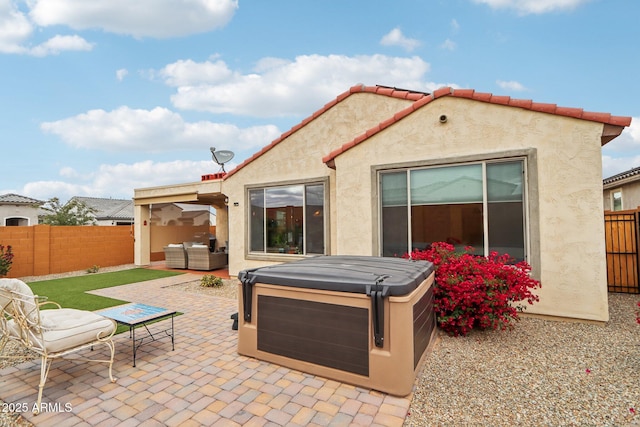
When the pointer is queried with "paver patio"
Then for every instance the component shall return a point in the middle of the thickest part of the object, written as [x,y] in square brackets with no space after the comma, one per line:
[204,381]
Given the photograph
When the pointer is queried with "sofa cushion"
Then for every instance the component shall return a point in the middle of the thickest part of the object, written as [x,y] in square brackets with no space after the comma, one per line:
[67,328]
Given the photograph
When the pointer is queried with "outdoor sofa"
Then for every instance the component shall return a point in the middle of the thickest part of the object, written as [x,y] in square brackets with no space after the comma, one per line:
[199,257]
[175,256]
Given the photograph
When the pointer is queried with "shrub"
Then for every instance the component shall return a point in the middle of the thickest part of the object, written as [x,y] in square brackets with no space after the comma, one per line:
[638,314]
[211,281]
[93,269]
[475,291]
[6,259]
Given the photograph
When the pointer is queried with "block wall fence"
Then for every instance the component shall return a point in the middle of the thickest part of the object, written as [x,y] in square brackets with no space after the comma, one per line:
[45,249]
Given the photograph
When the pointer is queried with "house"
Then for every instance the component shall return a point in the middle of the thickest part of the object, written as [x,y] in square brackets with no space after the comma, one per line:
[163,214]
[622,191]
[380,171]
[108,211]
[18,210]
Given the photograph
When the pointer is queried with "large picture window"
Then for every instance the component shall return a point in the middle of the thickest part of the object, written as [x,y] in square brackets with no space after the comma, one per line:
[479,204]
[287,219]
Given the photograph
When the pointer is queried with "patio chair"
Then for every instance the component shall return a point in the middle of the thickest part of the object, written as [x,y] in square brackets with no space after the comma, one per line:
[175,256]
[200,258]
[51,333]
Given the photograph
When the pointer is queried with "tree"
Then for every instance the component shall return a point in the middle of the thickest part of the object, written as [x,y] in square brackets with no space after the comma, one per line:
[74,212]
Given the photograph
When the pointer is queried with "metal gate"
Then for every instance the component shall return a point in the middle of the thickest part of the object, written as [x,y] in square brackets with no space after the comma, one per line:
[621,231]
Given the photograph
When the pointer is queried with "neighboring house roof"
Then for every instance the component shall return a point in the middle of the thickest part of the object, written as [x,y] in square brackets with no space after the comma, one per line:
[16,199]
[421,99]
[116,209]
[622,178]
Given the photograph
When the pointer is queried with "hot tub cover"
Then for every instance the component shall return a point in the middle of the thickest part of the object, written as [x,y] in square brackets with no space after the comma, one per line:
[344,273]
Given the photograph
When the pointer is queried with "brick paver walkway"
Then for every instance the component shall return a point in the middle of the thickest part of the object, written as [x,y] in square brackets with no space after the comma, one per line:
[202,382]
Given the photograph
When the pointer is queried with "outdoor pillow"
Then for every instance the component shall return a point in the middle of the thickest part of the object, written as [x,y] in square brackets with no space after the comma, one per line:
[28,302]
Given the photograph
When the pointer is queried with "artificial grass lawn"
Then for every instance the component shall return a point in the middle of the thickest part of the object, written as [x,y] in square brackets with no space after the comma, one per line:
[71,292]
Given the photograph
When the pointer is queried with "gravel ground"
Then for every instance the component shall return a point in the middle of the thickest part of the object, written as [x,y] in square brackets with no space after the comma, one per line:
[540,373]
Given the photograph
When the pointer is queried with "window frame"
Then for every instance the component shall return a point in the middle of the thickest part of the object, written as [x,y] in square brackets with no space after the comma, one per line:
[271,256]
[612,194]
[529,156]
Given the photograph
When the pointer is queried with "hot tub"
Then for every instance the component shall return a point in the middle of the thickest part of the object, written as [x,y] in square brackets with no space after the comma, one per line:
[367,321]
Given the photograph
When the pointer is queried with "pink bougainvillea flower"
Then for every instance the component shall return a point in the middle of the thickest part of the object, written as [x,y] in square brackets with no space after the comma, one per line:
[588,371]
[477,292]
[633,411]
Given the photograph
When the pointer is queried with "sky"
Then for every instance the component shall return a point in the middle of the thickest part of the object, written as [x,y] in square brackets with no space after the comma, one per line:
[101,97]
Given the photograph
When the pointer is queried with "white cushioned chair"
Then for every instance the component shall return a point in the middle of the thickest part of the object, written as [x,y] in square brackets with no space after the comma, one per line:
[51,333]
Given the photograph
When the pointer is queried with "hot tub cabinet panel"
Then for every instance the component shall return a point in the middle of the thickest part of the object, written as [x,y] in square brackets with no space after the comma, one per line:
[368,337]
[315,332]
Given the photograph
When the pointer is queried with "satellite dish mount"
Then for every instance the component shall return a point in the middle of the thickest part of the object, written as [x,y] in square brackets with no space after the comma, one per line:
[221,157]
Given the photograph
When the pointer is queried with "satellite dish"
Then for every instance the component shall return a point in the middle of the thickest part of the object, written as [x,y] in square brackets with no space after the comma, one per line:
[221,157]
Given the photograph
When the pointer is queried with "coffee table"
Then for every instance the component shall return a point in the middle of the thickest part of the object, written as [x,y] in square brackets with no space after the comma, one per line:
[135,315]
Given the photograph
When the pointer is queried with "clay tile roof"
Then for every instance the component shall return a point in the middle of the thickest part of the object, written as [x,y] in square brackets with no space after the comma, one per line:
[420,99]
[526,104]
[379,90]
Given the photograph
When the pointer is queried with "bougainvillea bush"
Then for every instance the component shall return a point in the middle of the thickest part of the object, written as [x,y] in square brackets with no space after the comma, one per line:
[477,292]
[6,259]
[638,315]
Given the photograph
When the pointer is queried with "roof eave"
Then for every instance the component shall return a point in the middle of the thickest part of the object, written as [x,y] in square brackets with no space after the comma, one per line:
[610,132]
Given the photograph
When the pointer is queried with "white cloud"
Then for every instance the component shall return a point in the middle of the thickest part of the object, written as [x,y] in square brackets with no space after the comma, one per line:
[188,72]
[45,190]
[614,165]
[533,6]
[279,87]
[119,180]
[628,141]
[623,153]
[634,129]
[154,130]
[455,26]
[448,45]
[140,18]
[57,44]
[15,28]
[149,174]
[396,38]
[511,85]
[121,74]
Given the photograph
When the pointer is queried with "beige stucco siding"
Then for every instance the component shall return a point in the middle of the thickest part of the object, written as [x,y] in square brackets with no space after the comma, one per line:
[298,158]
[630,194]
[27,213]
[564,189]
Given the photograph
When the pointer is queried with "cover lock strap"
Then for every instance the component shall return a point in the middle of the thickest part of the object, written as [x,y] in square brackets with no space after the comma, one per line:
[378,293]
[247,287]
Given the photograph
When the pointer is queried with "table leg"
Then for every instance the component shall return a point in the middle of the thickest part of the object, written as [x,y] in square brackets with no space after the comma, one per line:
[133,341]
[173,347]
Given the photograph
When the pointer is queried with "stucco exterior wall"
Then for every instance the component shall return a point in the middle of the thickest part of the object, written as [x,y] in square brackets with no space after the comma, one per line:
[564,189]
[18,211]
[298,158]
[630,195]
